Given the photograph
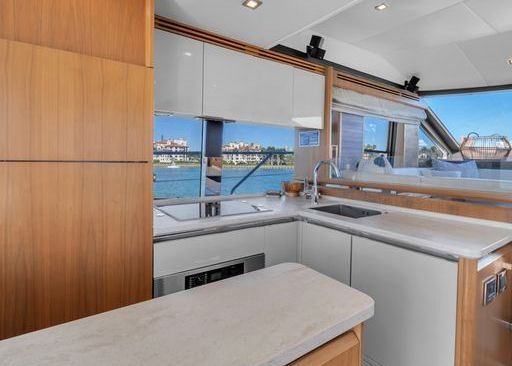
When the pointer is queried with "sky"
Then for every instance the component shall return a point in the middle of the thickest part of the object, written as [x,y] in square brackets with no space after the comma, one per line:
[485,113]
[190,129]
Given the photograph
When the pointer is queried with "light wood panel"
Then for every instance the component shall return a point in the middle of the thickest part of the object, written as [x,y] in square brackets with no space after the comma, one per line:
[112,29]
[342,351]
[466,312]
[438,192]
[483,338]
[493,338]
[487,212]
[58,105]
[75,240]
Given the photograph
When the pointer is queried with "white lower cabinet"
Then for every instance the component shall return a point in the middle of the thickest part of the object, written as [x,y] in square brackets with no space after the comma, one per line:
[281,243]
[326,251]
[179,255]
[415,304]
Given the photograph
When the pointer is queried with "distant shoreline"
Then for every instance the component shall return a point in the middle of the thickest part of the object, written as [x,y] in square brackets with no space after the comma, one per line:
[225,166]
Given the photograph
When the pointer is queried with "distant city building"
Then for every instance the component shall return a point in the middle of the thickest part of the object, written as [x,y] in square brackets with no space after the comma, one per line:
[236,158]
[171,146]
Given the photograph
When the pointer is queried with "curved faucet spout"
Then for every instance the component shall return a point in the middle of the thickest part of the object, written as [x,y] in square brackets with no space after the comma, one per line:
[315,193]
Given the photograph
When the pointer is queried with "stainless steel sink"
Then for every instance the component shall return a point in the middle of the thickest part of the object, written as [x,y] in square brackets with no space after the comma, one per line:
[348,211]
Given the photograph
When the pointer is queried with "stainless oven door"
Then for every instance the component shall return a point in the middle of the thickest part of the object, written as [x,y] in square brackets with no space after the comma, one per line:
[169,284]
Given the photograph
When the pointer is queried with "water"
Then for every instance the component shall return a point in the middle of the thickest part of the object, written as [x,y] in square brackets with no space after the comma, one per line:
[185,181]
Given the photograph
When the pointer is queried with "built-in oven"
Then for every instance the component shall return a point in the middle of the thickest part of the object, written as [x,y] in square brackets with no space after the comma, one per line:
[169,284]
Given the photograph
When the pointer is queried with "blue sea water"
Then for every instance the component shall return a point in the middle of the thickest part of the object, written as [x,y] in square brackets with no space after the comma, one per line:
[185,181]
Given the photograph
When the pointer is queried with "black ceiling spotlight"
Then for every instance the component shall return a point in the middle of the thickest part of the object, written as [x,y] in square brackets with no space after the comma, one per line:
[314,49]
[412,85]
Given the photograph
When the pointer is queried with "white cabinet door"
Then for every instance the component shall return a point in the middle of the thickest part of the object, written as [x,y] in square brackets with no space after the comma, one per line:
[178,74]
[184,254]
[281,243]
[326,251]
[415,304]
[308,99]
[241,87]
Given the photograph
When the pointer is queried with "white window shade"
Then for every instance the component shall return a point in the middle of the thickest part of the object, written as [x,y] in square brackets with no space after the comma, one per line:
[349,101]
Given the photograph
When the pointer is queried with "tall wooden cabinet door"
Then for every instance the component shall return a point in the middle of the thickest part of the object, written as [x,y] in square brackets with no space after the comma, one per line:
[416,299]
[178,74]
[58,105]
[326,251]
[75,240]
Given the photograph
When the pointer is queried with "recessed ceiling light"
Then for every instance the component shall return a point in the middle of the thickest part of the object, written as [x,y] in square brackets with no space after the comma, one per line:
[252,4]
[381,6]
[509,61]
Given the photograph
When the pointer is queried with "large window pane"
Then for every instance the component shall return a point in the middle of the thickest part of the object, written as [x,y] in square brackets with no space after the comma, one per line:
[376,133]
[177,144]
[428,150]
[246,145]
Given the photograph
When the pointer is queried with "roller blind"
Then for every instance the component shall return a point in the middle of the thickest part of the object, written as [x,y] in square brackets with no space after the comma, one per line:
[349,101]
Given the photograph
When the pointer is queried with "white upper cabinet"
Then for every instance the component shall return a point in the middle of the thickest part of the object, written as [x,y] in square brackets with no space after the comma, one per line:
[226,91]
[308,99]
[241,87]
[178,74]
[198,79]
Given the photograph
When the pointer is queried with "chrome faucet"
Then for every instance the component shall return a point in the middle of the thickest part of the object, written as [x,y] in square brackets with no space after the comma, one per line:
[315,193]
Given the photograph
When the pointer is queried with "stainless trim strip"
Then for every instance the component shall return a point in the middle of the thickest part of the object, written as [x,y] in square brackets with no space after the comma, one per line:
[383,239]
[223,229]
[259,223]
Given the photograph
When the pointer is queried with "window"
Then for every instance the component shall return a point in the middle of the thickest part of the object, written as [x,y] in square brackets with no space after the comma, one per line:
[428,150]
[177,145]
[177,157]
[376,136]
[245,146]
[484,113]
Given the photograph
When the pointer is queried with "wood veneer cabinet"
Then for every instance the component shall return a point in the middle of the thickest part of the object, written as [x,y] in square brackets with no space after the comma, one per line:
[73,241]
[112,29]
[342,351]
[58,105]
[76,105]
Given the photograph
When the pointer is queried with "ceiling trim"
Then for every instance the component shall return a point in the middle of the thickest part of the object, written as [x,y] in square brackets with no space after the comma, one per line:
[479,89]
[299,54]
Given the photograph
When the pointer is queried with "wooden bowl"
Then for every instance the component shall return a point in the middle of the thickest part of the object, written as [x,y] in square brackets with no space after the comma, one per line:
[292,189]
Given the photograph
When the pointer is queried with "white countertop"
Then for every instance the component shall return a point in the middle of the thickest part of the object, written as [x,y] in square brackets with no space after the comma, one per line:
[440,234]
[267,317]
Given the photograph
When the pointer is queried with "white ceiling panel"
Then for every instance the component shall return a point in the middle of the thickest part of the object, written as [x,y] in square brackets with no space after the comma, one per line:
[362,21]
[266,26]
[349,55]
[440,67]
[497,13]
[490,56]
[453,24]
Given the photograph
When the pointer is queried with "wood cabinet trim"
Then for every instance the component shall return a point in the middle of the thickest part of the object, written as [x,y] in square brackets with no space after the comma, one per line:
[441,192]
[342,351]
[115,29]
[478,211]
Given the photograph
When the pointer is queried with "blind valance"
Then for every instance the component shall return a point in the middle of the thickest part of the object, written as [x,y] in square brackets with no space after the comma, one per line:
[349,101]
